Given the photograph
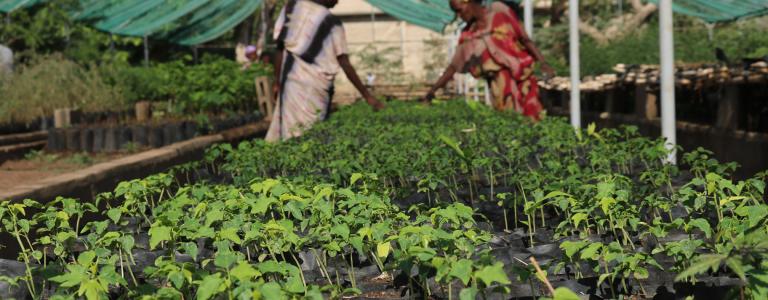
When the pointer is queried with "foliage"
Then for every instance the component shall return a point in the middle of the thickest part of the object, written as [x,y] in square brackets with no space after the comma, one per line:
[215,84]
[385,63]
[742,39]
[48,28]
[414,192]
[53,82]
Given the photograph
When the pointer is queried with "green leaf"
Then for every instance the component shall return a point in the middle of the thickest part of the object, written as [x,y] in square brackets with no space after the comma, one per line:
[490,274]
[190,249]
[572,247]
[382,250]
[158,234]
[591,252]
[209,287]
[114,214]
[737,268]
[92,290]
[76,274]
[563,293]
[453,144]
[602,278]
[354,178]
[701,264]
[231,235]
[86,258]
[462,270]
[341,230]
[702,225]
[244,271]
[272,290]
[225,259]
[469,293]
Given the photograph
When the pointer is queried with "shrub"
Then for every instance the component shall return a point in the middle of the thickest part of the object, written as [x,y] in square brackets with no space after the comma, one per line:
[52,82]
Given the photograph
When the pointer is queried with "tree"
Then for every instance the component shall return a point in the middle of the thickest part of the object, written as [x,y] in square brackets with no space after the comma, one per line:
[619,26]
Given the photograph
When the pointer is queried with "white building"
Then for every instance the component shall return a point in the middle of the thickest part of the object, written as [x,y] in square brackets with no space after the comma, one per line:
[406,54]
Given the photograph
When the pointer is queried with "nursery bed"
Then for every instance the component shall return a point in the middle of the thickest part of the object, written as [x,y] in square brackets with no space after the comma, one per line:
[449,202]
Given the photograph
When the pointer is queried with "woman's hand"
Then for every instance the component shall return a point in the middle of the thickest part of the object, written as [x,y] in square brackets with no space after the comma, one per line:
[548,71]
[376,104]
[276,89]
[428,97]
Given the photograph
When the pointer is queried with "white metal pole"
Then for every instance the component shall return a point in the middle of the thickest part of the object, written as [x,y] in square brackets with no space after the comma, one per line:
[528,14]
[573,13]
[668,127]
[466,88]
[476,95]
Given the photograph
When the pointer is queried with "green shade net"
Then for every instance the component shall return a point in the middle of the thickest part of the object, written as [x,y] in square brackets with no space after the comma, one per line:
[715,11]
[185,22]
[430,14]
[11,5]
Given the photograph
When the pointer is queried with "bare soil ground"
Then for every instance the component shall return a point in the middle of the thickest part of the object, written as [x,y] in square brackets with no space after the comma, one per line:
[39,165]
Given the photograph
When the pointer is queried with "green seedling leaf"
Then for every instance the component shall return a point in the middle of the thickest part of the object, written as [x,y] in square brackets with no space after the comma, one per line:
[231,235]
[354,178]
[114,214]
[382,250]
[158,234]
[272,290]
[244,272]
[563,293]
[492,274]
[86,258]
[702,264]
[462,270]
[453,144]
[209,287]
[469,293]
[702,225]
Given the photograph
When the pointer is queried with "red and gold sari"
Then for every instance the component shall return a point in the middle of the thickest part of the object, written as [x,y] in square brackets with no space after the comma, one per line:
[497,54]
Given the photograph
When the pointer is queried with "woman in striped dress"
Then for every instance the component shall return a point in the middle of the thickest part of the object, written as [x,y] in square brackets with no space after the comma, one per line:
[312,48]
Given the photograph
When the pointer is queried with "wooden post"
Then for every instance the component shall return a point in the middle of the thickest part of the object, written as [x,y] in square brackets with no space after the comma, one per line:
[264,96]
[645,103]
[143,111]
[62,118]
[728,108]
[610,95]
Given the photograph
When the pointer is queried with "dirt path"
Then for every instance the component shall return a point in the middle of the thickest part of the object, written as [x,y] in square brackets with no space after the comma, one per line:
[40,165]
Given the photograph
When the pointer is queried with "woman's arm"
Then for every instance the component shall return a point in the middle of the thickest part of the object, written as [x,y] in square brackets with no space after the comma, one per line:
[351,73]
[277,70]
[444,79]
[536,53]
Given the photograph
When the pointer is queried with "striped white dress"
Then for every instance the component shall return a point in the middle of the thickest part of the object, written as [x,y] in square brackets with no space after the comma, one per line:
[313,38]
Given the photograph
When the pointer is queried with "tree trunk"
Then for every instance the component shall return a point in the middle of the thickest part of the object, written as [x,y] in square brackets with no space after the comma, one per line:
[620,26]
[245,31]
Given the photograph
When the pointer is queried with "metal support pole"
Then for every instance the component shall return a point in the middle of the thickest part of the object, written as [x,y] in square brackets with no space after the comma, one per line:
[573,15]
[528,14]
[146,51]
[668,127]
[711,31]
[466,87]
[476,95]
[373,23]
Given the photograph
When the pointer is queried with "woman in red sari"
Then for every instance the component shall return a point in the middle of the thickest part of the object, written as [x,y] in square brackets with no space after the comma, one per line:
[493,46]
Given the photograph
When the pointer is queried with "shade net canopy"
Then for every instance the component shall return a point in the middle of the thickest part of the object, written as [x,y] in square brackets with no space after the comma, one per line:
[430,14]
[716,11]
[11,5]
